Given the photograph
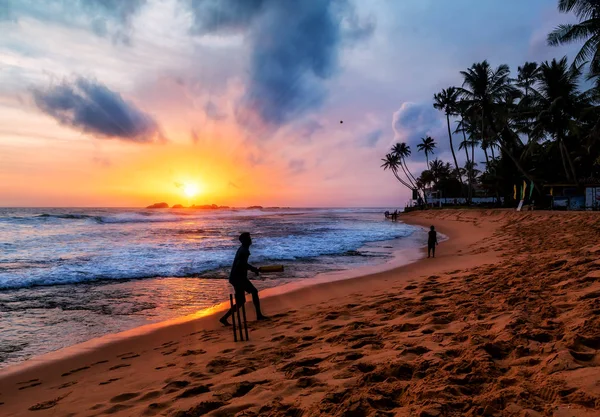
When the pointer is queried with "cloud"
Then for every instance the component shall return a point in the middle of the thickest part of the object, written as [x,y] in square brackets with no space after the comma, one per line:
[254,160]
[92,108]
[212,111]
[211,16]
[294,47]
[194,136]
[414,121]
[306,130]
[102,161]
[103,17]
[372,138]
[297,166]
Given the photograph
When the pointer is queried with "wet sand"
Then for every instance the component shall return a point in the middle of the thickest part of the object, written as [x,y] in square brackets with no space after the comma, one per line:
[505,321]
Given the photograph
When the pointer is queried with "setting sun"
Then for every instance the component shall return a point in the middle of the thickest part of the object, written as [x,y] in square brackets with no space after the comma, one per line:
[190,190]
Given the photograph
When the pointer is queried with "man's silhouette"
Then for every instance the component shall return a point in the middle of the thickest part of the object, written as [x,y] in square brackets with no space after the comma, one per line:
[238,277]
[431,242]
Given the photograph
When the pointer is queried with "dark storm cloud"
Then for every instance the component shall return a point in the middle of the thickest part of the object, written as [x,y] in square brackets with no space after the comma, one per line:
[223,15]
[294,46]
[92,108]
[103,17]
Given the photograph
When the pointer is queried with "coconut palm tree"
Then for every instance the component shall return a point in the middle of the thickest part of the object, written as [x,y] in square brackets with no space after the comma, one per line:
[527,77]
[427,145]
[402,150]
[485,90]
[392,162]
[587,31]
[446,101]
[560,104]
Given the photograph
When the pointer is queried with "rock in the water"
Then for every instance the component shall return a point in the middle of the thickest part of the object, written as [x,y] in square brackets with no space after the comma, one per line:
[177,206]
[158,206]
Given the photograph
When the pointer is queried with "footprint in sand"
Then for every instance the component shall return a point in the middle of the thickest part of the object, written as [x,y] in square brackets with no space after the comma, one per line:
[47,404]
[75,370]
[149,396]
[173,386]
[168,365]
[193,352]
[124,397]
[110,381]
[133,355]
[201,409]
[194,391]
[27,382]
[123,365]
[35,384]
[117,408]
[67,384]
[154,408]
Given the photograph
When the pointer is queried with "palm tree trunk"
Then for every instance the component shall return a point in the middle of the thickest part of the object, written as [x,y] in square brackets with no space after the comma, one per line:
[493,153]
[564,160]
[399,178]
[570,161]
[452,149]
[510,155]
[412,179]
[487,158]
[467,155]
[427,159]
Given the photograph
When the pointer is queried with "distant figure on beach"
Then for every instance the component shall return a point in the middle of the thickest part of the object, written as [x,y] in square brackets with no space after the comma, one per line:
[395,215]
[431,242]
[238,277]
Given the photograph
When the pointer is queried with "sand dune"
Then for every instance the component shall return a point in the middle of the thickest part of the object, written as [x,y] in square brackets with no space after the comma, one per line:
[506,321]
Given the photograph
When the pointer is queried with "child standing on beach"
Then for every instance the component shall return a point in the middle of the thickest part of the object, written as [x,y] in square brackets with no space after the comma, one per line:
[431,242]
[238,277]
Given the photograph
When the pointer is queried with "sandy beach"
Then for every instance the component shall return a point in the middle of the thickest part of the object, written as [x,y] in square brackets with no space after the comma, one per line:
[504,322]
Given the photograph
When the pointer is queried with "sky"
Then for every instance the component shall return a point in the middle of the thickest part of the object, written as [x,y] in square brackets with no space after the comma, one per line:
[109,103]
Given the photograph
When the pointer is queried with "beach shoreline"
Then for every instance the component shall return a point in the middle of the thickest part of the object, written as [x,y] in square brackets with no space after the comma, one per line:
[394,328]
[399,257]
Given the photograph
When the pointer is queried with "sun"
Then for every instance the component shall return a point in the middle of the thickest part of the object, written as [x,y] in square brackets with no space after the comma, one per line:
[190,190]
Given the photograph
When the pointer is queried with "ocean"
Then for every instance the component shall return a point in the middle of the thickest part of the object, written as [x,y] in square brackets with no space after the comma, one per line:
[70,275]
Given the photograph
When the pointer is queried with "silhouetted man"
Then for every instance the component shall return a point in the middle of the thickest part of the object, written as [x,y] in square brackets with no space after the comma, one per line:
[431,242]
[238,277]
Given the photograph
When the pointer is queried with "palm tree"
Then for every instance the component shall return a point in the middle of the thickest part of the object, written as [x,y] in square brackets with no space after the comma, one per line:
[485,91]
[427,145]
[587,30]
[560,103]
[402,150]
[447,100]
[527,77]
[397,159]
[392,162]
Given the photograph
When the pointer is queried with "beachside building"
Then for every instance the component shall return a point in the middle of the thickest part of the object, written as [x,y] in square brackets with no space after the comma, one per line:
[565,196]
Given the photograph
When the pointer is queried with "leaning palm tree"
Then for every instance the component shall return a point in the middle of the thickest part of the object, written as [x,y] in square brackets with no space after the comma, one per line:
[402,150]
[392,162]
[427,145]
[446,100]
[587,30]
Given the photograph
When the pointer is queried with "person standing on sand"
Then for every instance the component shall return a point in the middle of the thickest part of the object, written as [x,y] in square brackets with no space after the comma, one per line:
[238,277]
[431,242]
